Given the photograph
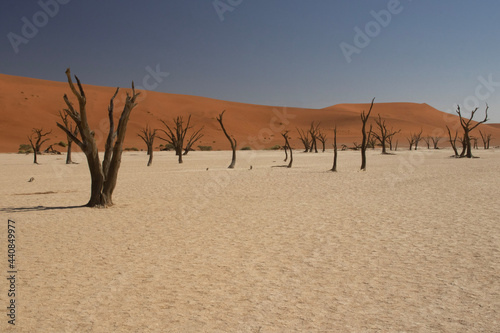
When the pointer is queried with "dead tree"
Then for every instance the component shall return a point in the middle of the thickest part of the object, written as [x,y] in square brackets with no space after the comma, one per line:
[103,176]
[427,140]
[148,136]
[355,146]
[453,141]
[474,141]
[314,131]
[435,141]
[232,140]
[366,137]
[192,140]
[334,167]
[176,134]
[411,140]
[36,141]
[486,139]
[304,138]
[383,134]
[322,138]
[414,139]
[372,142]
[468,127]
[464,146]
[418,137]
[389,141]
[68,125]
[287,145]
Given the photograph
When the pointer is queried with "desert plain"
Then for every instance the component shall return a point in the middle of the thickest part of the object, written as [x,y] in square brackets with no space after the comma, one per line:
[410,245]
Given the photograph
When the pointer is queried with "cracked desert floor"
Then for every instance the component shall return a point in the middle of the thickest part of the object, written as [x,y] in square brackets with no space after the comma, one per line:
[410,245]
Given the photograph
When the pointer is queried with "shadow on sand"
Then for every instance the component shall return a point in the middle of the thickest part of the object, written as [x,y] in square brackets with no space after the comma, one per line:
[36,209]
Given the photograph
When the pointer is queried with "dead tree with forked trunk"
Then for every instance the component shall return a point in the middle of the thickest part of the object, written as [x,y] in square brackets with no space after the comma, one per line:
[36,140]
[411,141]
[322,139]
[467,126]
[68,125]
[192,140]
[103,177]
[231,140]
[287,146]
[414,139]
[474,141]
[389,141]
[427,140]
[383,135]
[177,134]
[148,136]
[464,146]
[435,141]
[453,141]
[418,137]
[314,131]
[334,167]
[486,139]
[304,138]
[365,136]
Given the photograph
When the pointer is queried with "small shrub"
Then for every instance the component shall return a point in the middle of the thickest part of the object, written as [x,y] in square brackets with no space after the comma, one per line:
[246,148]
[25,149]
[205,148]
[167,147]
[275,147]
[131,149]
[62,144]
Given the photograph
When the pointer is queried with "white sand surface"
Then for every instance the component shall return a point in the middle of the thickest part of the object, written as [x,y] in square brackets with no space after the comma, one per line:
[410,245]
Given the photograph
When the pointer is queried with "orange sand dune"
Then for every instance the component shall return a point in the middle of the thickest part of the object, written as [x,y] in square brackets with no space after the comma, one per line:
[26,103]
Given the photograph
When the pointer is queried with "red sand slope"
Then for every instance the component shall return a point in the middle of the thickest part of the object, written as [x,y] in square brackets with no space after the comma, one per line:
[26,103]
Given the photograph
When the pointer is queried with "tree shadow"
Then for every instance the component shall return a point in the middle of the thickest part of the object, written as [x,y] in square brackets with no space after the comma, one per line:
[36,208]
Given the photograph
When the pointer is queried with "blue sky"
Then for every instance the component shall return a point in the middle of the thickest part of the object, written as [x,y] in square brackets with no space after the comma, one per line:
[284,53]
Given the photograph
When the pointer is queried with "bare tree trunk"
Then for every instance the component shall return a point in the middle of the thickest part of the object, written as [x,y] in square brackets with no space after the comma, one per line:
[417,139]
[286,152]
[365,139]
[193,139]
[232,141]
[68,153]
[334,167]
[453,141]
[435,141]
[467,127]
[74,130]
[427,140]
[322,139]
[150,161]
[103,176]
[148,136]
[36,141]
[304,137]
[287,144]
[383,135]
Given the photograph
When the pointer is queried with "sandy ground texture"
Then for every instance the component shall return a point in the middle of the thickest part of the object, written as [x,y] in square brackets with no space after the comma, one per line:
[410,245]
